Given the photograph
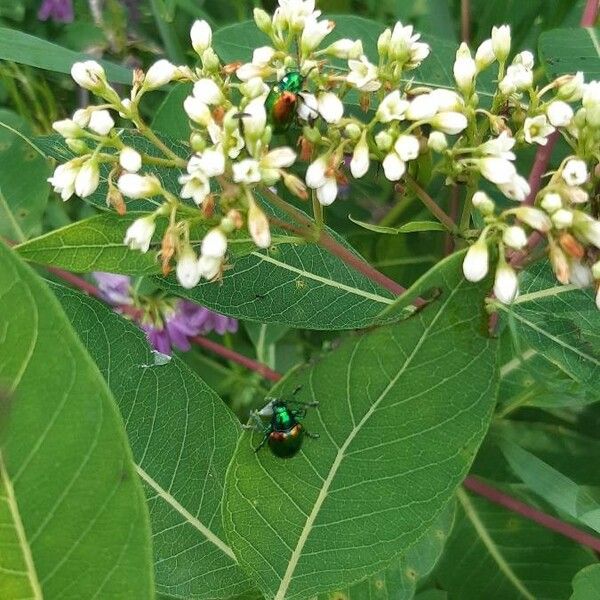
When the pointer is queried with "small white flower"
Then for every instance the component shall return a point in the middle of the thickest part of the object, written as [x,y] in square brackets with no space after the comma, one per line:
[209,266]
[384,140]
[327,193]
[207,91]
[422,107]
[534,217]
[101,122]
[67,128]
[537,130]
[437,141]
[571,87]
[316,172]
[407,147]
[576,195]
[279,158]
[89,75]
[197,111]
[88,179]
[526,59]
[501,42]
[515,237]
[159,74]
[517,78]
[139,234]
[500,146]
[497,170]
[483,203]
[130,159]
[392,108]
[447,100]
[476,263]
[402,45]
[449,122]
[125,108]
[187,271]
[517,188]
[363,75]
[580,274]
[307,106]
[254,87]
[82,117]
[506,284]
[201,35]
[138,186]
[551,202]
[562,218]
[211,162]
[258,226]
[262,56]
[359,164]
[63,179]
[575,172]
[214,244]
[393,166]
[345,48]
[246,171]
[587,227]
[255,121]
[313,34]
[485,55]
[464,69]
[560,114]
[195,186]
[330,107]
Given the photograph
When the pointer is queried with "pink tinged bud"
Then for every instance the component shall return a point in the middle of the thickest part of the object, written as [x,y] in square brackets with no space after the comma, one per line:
[506,283]
[201,36]
[534,217]
[393,166]
[330,107]
[130,160]
[159,74]
[575,172]
[450,122]
[101,122]
[207,91]
[258,226]
[187,271]
[89,75]
[139,234]
[214,244]
[496,170]
[560,114]
[359,164]
[501,41]
[476,262]
[88,179]
[138,186]
[327,193]
[407,147]
[515,237]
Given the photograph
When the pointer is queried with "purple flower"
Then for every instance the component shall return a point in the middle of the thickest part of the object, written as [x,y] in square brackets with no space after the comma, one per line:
[60,11]
[171,322]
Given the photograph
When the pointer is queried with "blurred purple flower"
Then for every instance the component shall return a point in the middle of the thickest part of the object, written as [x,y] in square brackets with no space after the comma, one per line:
[180,319]
[60,11]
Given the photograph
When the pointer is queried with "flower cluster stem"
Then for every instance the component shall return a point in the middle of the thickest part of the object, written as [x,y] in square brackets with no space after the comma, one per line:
[432,205]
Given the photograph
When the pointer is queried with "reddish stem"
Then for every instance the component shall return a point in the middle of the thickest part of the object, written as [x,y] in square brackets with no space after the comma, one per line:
[78,282]
[497,497]
[540,165]
[590,13]
[465,20]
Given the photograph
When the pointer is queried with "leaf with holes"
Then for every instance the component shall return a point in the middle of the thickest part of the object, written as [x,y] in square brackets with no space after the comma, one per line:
[182,437]
[497,555]
[400,419]
[74,521]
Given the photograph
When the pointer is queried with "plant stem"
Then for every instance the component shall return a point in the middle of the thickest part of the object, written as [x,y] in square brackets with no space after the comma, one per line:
[431,204]
[465,218]
[317,210]
[465,20]
[590,13]
[540,164]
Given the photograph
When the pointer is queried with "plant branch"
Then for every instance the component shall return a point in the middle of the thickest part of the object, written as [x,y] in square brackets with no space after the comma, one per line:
[465,20]
[431,204]
[590,13]
[540,165]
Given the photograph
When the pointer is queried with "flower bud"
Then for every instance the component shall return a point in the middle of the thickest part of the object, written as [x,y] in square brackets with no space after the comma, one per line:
[345,48]
[437,141]
[101,122]
[63,178]
[295,185]
[559,113]
[497,170]
[596,270]
[464,69]
[571,246]
[209,267]
[551,202]
[506,284]
[139,234]
[207,91]
[383,42]
[214,244]
[587,227]
[258,226]
[476,262]
[201,35]
[392,108]
[67,128]
[77,146]
[139,186]
[485,55]
[560,264]
[197,111]
[534,217]
[82,117]
[187,271]
[575,172]
[352,131]
[89,75]
[254,87]
[576,195]
[562,218]
[263,20]
[581,275]
[421,107]
[359,164]
[571,87]
[130,159]
[501,42]
[384,140]
[330,107]
[407,147]
[159,74]
[393,166]
[483,203]
[88,179]
[450,122]
[515,237]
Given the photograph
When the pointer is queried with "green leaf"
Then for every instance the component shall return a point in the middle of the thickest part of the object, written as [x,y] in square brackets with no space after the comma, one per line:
[75,525]
[22,199]
[26,49]
[497,555]
[398,431]
[406,228]
[554,487]
[182,437]
[170,118]
[586,583]
[566,51]
[400,580]
[560,322]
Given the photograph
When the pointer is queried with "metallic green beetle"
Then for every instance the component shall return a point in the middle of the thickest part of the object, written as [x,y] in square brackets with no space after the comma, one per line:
[282,101]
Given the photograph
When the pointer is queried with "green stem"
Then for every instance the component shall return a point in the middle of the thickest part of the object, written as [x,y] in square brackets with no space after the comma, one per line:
[430,203]
[465,218]
[317,210]
[152,137]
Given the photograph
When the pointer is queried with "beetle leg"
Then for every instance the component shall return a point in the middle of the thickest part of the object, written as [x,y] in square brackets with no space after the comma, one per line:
[262,442]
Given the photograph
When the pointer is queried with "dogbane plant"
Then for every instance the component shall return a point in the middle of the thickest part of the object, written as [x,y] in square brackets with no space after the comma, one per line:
[235,150]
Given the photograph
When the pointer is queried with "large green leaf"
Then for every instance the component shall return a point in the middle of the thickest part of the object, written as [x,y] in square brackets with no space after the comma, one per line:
[400,420]
[559,322]
[497,555]
[22,199]
[74,521]
[26,49]
[182,437]
[567,51]
[400,580]
[586,583]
